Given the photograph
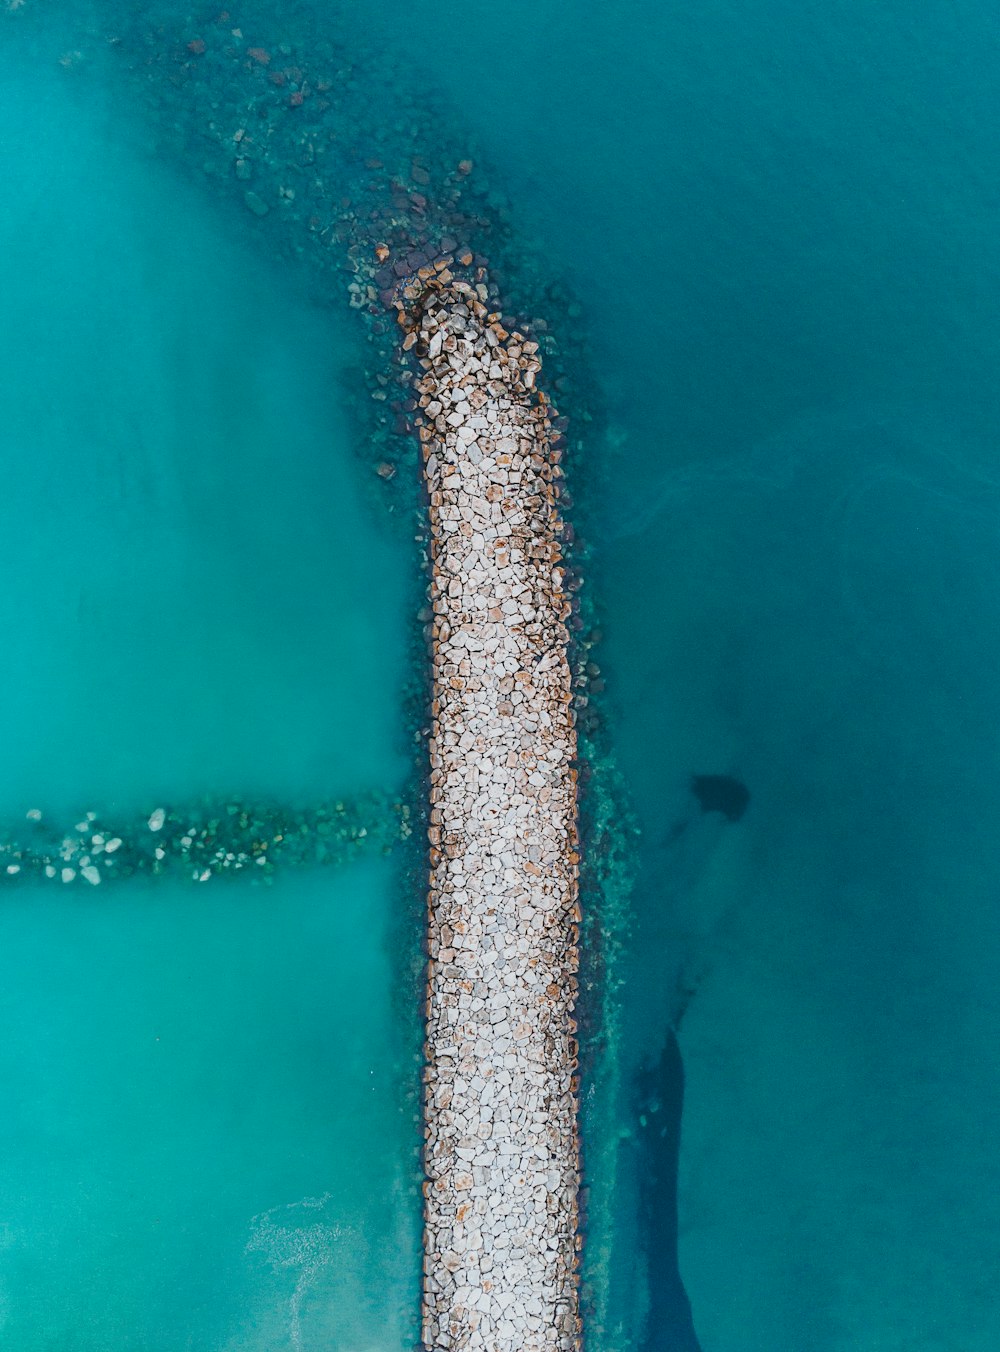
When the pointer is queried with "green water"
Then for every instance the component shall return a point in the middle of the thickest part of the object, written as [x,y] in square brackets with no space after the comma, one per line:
[206,1135]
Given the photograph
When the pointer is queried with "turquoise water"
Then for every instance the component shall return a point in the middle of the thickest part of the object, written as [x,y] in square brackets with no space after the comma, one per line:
[783,221]
[181,612]
[208,1137]
[206,1141]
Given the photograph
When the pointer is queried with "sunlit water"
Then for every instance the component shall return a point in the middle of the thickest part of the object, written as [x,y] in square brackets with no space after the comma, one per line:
[208,1136]
[206,1141]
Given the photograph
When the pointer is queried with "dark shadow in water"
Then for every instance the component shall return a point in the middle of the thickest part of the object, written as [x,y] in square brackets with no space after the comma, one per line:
[715,793]
[721,793]
[660,1101]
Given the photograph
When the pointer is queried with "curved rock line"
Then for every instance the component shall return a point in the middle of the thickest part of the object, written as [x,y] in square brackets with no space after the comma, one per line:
[501,1154]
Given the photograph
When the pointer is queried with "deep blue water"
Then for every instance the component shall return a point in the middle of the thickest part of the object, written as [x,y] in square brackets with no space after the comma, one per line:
[783,220]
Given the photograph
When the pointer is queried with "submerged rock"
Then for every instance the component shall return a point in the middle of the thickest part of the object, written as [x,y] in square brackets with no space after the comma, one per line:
[721,793]
[202,840]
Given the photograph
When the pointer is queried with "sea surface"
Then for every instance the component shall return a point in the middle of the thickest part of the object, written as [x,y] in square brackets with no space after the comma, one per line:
[207,1138]
[783,224]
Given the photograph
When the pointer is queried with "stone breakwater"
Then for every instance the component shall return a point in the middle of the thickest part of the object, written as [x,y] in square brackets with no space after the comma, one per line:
[501,1146]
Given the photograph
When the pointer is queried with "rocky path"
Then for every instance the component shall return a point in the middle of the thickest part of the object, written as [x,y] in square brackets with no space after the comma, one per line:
[501,1150]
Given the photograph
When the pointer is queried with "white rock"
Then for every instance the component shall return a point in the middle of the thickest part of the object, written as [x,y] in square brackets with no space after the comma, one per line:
[503,801]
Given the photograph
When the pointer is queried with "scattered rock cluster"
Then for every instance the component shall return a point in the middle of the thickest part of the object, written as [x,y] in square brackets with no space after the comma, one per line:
[501,1151]
[196,841]
[325,149]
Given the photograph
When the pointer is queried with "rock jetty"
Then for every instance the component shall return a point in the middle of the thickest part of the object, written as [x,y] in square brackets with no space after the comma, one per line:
[501,1156]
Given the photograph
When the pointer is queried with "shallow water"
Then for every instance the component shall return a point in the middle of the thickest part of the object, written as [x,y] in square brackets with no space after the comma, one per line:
[182,613]
[783,220]
[208,1094]
[206,1141]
